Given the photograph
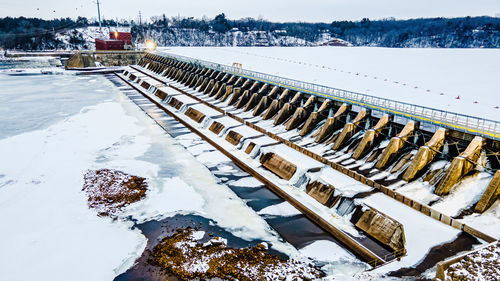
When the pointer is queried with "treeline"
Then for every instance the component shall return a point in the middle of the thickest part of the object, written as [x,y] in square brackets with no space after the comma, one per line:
[39,34]
[466,32]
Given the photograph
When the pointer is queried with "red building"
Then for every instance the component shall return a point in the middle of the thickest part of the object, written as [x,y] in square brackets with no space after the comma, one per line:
[124,36]
[107,44]
[116,41]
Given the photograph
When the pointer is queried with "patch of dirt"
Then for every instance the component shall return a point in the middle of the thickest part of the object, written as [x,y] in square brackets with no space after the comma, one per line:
[182,255]
[109,190]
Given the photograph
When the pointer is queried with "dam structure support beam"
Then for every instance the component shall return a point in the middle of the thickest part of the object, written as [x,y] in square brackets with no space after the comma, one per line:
[396,144]
[490,195]
[350,129]
[425,154]
[460,166]
[370,136]
[331,124]
[315,118]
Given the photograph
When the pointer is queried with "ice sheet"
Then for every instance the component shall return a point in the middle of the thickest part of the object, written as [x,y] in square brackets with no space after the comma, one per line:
[428,77]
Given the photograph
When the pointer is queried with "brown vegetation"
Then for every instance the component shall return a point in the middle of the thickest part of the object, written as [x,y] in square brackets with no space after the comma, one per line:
[181,255]
[110,190]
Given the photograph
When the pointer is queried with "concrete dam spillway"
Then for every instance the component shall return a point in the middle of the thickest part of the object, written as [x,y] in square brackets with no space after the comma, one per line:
[300,143]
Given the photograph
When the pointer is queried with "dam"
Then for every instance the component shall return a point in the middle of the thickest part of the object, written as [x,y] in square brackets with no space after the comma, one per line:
[343,159]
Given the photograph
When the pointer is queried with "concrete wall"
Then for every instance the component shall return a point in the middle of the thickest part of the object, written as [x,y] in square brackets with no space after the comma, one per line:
[81,59]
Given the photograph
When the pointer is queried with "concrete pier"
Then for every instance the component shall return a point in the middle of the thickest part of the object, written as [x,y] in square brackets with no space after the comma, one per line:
[396,144]
[425,154]
[370,137]
[383,228]
[300,115]
[315,118]
[243,99]
[350,129]
[332,123]
[460,166]
[254,100]
[235,96]
[490,195]
[323,193]
[278,165]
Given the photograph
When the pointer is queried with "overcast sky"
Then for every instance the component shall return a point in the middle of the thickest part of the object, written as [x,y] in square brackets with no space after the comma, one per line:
[276,10]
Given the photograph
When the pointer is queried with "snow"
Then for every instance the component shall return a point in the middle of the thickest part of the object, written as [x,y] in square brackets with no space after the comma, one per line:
[340,265]
[185,99]
[247,182]
[209,112]
[168,90]
[227,122]
[264,140]
[282,209]
[46,214]
[417,230]
[419,191]
[465,195]
[326,251]
[427,77]
[174,196]
[488,222]
[346,185]
[300,160]
[246,132]
[198,235]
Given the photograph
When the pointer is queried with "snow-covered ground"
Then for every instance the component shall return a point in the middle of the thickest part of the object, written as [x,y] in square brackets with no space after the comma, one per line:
[427,77]
[88,34]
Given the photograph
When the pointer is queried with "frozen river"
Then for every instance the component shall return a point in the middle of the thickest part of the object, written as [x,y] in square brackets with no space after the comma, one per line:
[458,80]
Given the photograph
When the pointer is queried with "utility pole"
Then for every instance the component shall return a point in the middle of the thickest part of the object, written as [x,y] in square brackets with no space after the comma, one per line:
[99,13]
[140,18]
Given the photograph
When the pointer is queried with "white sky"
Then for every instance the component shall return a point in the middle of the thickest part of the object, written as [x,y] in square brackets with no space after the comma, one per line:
[275,10]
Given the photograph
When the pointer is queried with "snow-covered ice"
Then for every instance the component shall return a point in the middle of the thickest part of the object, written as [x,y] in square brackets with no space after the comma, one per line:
[281,209]
[427,77]
[48,223]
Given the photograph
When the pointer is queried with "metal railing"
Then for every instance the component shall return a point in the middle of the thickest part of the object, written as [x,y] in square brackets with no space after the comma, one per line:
[460,122]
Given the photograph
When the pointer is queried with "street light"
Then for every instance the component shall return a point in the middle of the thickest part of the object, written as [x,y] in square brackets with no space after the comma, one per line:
[150,45]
